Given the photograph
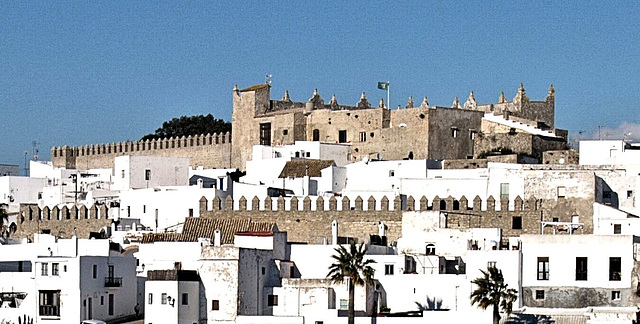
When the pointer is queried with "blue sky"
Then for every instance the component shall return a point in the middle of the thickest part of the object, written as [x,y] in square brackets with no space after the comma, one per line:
[89,72]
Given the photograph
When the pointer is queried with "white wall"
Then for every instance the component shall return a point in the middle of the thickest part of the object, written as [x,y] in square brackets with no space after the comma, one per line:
[130,172]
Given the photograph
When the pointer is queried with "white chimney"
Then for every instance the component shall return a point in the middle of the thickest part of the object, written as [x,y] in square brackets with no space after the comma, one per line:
[334,232]
[381,231]
[216,237]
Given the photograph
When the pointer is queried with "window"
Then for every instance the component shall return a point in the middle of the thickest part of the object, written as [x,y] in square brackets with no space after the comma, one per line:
[163,298]
[363,137]
[316,135]
[265,134]
[44,269]
[102,300]
[285,132]
[615,269]
[392,173]
[543,268]
[431,249]
[615,295]
[128,211]
[581,268]
[215,304]
[388,269]
[111,303]
[147,174]
[342,136]
[55,269]
[472,134]
[504,191]
[185,299]
[516,222]
[556,219]
[111,271]
[539,294]
[292,271]
[629,194]
[344,304]
[144,209]
[617,228]
[272,300]
[190,212]
[263,270]
[562,192]
[49,303]
[122,174]
[454,132]
[491,264]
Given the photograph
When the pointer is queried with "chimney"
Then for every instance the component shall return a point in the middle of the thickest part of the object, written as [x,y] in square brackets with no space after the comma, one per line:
[381,231]
[216,237]
[334,232]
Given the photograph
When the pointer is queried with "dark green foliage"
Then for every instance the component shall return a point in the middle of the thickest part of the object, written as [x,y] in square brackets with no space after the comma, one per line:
[193,125]
[492,291]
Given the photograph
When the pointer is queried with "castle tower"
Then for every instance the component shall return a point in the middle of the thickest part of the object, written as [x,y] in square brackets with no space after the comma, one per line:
[248,103]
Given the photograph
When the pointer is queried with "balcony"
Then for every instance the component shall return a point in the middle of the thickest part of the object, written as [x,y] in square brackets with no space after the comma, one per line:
[47,310]
[111,282]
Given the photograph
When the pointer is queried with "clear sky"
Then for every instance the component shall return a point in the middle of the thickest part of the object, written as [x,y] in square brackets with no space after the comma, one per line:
[89,72]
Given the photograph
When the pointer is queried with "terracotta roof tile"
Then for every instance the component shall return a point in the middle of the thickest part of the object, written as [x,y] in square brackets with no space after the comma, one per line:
[298,168]
[203,227]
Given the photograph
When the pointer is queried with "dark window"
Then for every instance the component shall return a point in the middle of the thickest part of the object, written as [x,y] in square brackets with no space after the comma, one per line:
[388,269]
[615,295]
[111,303]
[292,272]
[111,271]
[95,271]
[185,299]
[265,134]
[454,132]
[285,132]
[363,137]
[215,304]
[44,269]
[147,175]
[556,219]
[516,222]
[55,269]
[629,194]
[49,303]
[102,300]
[581,268]
[615,269]
[342,136]
[543,268]
[539,294]
[443,205]
[456,205]
[263,270]
[190,212]
[163,298]
[617,228]
[272,300]
[316,135]
[431,249]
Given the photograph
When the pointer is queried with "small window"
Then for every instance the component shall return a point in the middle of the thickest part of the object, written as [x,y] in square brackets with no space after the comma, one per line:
[504,191]
[102,299]
[543,268]
[190,212]
[122,174]
[392,173]
[388,269]
[472,134]
[363,137]
[516,222]
[344,304]
[454,132]
[55,269]
[617,228]
[431,249]
[562,192]
[539,294]
[285,132]
[491,264]
[615,295]
[629,194]
[292,272]
[512,131]
[263,270]
[272,300]
[316,135]
[163,298]
[94,271]
[144,209]
[215,304]
[342,136]
[150,299]
[556,219]
[185,299]
[44,269]
[147,174]
[615,269]
[581,268]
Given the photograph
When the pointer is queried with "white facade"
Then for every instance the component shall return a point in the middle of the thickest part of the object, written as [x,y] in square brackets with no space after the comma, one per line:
[139,172]
[17,190]
[68,280]
[609,153]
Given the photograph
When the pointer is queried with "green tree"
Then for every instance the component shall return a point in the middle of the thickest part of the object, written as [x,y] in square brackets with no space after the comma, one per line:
[4,220]
[492,291]
[190,125]
[351,265]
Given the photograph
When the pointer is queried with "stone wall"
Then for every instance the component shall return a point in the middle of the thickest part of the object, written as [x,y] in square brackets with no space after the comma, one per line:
[60,222]
[309,221]
[575,297]
[209,151]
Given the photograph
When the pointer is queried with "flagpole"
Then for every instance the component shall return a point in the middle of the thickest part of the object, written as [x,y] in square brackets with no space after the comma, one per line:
[388,86]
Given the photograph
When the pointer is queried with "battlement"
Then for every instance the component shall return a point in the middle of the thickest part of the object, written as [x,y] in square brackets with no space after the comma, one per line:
[102,155]
[319,204]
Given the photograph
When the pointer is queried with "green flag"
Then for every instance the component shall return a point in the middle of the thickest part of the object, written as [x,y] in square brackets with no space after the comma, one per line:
[383,85]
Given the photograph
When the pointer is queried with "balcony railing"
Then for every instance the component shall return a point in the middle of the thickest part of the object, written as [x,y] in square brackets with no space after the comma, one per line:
[46,310]
[112,282]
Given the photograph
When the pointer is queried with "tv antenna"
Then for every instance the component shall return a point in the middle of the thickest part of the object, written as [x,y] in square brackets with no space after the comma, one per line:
[35,150]
[268,78]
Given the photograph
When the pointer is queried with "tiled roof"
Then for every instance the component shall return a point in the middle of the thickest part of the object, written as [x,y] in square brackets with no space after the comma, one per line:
[203,227]
[298,168]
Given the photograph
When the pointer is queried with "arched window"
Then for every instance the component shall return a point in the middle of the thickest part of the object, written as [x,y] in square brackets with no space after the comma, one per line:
[431,249]
[443,205]
[316,135]
[456,205]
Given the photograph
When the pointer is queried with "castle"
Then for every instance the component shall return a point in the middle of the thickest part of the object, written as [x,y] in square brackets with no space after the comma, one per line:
[462,131]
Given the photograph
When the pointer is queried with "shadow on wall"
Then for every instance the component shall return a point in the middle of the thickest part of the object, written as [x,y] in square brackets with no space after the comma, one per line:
[433,303]
[529,319]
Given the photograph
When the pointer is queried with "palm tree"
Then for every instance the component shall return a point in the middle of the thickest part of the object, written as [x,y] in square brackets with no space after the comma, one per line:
[350,264]
[492,291]
[4,218]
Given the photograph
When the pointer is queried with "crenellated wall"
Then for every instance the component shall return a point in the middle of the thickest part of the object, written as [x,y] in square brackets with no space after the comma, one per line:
[309,219]
[209,151]
[61,222]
